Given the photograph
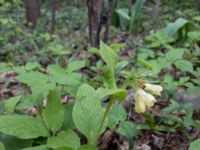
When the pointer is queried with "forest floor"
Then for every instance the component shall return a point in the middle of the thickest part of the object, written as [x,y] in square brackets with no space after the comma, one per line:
[75,42]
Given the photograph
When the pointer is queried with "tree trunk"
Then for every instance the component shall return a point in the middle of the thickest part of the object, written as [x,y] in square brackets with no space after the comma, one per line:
[198,5]
[95,8]
[53,17]
[112,5]
[32,8]
[155,9]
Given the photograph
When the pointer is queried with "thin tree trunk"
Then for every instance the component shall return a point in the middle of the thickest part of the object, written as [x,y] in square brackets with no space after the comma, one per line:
[112,5]
[53,17]
[95,8]
[32,8]
[155,9]
[198,5]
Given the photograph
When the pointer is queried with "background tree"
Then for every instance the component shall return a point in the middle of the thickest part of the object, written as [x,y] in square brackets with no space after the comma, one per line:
[198,5]
[111,8]
[32,8]
[95,10]
[53,17]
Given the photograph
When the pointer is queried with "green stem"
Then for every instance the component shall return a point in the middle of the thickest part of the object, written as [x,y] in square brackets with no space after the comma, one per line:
[104,116]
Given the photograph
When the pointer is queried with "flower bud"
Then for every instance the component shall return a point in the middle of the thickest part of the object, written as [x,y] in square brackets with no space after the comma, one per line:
[154,89]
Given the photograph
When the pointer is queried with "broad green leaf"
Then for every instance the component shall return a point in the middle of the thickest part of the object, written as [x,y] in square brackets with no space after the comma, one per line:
[188,121]
[67,139]
[1,146]
[26,101]
[119,93]
[120,65]
[197,18]
[58,49]
[163,62]
[108,55]
[194,36]
[127,129]
[20,69]
[94,50]
[37,81]
[55,70]
[24,127]
[109,78]
[182,80]
[32,78]
[87,147]
[195,145]
[174,55]
[87,112]
[196,81]
[135,12]
[75,65]
[68,121]
[156,67]
[14,143]
[117,114]
[66,79]
[42,88]
[9,105]
[53,114]
[123,13]
[149,118]
[173,28]
[32,65]
[4,67]
[171,107]
[184,65]
[41,147]
[117,46]
[158,39]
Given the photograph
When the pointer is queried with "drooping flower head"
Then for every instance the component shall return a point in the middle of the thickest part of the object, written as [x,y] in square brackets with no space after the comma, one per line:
[143,100]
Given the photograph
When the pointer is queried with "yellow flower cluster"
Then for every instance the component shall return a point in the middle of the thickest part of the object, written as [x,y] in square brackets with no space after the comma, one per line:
[144,99]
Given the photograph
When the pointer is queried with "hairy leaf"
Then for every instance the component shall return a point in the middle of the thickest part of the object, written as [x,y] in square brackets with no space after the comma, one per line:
[67,139]
[184,65]
[195,145]
[24,127]
[87,112]
[53,114]
[117,115]
[75,65]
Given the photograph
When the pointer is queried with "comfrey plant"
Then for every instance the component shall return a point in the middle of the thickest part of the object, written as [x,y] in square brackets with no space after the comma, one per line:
[58,126]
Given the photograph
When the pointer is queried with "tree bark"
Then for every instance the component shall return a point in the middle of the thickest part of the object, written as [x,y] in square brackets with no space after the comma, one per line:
[95,8]
[53,15]
[32,8]
[155,9]
[198,5]
[112,5]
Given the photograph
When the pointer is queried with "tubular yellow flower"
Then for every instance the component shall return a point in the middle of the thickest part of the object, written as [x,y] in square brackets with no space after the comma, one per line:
[154,89]
[140,107]
[143,99]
